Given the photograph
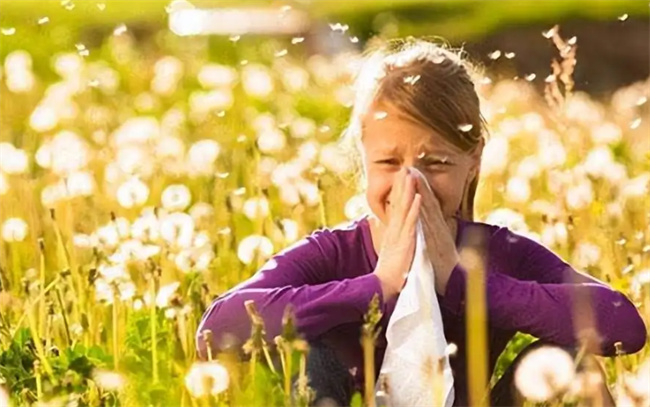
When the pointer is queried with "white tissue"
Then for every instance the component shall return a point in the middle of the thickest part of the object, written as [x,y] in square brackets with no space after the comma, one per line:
[416,339]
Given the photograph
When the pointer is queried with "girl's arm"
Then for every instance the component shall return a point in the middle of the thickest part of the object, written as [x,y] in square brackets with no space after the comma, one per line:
[530,289]
[304,276]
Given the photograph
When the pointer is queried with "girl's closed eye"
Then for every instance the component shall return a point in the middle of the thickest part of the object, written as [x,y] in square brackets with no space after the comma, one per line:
[436,162]
[388,161]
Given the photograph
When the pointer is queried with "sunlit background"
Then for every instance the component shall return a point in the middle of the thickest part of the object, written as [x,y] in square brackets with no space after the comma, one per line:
[154,154]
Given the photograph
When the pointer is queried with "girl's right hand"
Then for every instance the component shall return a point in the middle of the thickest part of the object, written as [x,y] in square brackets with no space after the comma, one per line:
[398,245]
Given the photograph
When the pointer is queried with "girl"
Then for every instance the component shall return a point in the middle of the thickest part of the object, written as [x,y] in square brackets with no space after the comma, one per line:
[416,107]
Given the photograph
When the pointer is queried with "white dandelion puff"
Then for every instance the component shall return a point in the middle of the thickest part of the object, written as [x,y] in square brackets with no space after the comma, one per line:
[544,372]
[252,246]
[176,197]
[14,230]
[132,193]
[256,208]
[107,380]
[207,378]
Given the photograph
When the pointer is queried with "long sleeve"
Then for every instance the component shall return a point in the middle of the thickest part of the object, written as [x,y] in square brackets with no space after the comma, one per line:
[305,276]
[530,289]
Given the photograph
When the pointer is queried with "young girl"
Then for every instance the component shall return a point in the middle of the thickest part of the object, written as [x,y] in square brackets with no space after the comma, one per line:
[417,107]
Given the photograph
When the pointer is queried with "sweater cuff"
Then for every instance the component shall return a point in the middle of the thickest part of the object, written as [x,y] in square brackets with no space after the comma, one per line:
[454,298]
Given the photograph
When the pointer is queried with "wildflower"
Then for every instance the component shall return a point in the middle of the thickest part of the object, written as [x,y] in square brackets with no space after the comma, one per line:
[586,254]
[176,197]
[544,373]
[505,217]
[290,229]
[495,156]
[201,211]
[107,380]
[256,208]
[580,195]
[132,193]
[177,229]
[166,293]
[215,75]
[355,206]
[207,378]
[112,272]
[14,230]
[252,246]
[14,160]
[4,184]
[202,155]
[271,140]
[518,190]
[257,81]
[555,234]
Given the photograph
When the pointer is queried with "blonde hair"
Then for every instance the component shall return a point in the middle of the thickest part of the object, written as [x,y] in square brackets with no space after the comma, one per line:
[430,83]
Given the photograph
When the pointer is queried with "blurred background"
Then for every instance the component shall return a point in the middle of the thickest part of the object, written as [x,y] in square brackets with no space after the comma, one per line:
[153,154]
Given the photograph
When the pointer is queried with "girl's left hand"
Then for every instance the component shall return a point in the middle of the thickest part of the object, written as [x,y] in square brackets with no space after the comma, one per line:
[439,233]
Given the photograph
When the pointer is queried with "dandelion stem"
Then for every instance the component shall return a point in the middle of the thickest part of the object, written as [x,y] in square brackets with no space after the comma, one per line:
[369,333]
[154,339]
[15,265]
[64,315]
[476,324]
[37,342]
[116,353]
[39,381]
[41,309]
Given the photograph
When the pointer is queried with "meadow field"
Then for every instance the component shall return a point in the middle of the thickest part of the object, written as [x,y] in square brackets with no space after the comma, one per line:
[138,181]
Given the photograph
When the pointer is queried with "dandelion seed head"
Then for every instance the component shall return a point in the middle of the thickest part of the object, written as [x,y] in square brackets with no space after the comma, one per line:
[177,229]
[254,245]
[132,193]
[544,372]
[256,208]
[176,197]
[14,230]
[207,378]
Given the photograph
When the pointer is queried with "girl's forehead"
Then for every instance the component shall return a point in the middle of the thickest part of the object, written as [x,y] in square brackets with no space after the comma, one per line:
[397,136]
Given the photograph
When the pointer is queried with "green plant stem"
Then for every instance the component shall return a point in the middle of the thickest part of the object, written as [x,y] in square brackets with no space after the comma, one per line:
[154,333]
[116,352]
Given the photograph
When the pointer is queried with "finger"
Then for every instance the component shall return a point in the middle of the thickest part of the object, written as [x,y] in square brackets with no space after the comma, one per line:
[412,216]
[408,194]
[395,190]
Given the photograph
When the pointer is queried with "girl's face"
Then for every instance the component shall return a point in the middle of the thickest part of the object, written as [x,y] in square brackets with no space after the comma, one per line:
[391,140]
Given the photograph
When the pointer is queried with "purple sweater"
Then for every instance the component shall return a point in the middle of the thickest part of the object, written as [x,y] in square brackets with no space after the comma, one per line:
[328,278]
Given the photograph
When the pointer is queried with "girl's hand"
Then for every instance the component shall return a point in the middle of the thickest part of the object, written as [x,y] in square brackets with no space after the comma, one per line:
[398,245]
[439,233]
